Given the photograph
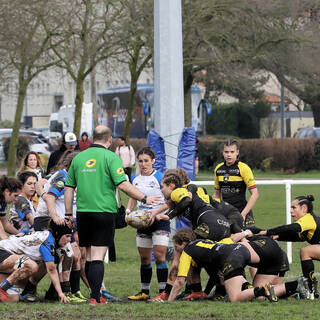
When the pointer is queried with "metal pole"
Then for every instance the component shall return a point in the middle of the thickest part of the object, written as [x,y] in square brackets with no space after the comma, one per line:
[282,111]
[168,76]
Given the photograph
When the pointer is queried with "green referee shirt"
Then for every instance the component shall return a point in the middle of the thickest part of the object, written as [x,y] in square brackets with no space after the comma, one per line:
[95,173]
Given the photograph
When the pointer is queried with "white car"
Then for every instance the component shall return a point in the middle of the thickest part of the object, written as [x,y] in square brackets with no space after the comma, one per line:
[37,144]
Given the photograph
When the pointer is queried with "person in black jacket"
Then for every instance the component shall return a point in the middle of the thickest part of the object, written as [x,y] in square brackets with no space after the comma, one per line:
[69,141]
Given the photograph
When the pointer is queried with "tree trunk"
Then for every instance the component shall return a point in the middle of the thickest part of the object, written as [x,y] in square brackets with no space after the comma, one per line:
[133,95]
[315,106]
[78,108]
[188,80]
[94,98]
[12,153]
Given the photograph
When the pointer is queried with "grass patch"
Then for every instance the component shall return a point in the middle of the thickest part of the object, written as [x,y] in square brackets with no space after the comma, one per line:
[122,279]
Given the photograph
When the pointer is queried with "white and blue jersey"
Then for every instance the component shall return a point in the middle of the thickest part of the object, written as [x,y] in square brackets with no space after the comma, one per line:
[38,246]
[151,186]
[56,187]
[19,211]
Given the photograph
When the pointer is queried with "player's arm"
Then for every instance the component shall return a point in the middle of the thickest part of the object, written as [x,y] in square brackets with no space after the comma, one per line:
[183,270]
[50,200]
[7,227]
[287,232]
[254,195]
[3,234]
[53,274]
[68,200]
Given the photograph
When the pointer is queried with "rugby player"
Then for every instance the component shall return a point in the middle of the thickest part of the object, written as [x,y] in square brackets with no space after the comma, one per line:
[232,177]
[36,247]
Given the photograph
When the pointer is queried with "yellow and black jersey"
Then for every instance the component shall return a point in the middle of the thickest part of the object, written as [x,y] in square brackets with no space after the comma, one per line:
[233,181]
[199,253]
[224,257]
[306,228]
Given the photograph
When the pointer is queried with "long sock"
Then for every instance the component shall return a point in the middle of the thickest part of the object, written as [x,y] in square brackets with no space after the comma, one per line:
[168,288]
[145,276]
[65,286]
[209,286]
[5,285]
[95,277]
[196,287]
[162,274]
[259,291]
[29,288]
[51,292]
[307,267]
[291,288]
[86,271]
[75,281]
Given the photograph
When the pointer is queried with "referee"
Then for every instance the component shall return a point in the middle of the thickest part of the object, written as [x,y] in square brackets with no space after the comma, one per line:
[96,172]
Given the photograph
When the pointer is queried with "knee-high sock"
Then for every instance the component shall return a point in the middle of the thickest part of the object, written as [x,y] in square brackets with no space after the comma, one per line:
[145,276]
[307,267]
[162,274]
[95,277]
[75,281]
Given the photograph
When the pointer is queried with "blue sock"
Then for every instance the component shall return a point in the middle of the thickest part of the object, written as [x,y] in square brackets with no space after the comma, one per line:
[5,285]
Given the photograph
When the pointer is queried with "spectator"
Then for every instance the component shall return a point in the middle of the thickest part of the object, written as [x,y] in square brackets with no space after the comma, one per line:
[127,155]
[84,142]
[96,172]
[69,142]
[32,162]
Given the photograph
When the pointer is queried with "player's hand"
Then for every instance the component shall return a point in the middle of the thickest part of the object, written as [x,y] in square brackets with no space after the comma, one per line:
[63,298]
[39,186]
[59,221]
[248,233]
[275,237]
[154,200]
[69,221]
[162,217]
[262,233]
[128,211]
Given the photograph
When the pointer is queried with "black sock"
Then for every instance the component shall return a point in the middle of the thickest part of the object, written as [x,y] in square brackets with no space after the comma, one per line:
[307,267]
[95,277]
[196,287]
[75,281]
[259,291]
[145,276]
[246,285]
[86,270]
[168,288]
[51,292]
[187,288]
[209,286]
[29,288]
[291,288]
[65,286]
[162,274]
[220,290]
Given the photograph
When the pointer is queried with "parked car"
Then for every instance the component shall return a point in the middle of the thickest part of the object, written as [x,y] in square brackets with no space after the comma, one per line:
[308,132]
[37,144]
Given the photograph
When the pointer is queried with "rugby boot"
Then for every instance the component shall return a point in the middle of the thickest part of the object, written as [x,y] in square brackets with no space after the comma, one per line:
[303,288]
[73,298]
[3,295]
[195,296]
[140,296]
[94,302]
[315,288]
[183,295]
[79,295]
[107,295]
[269,292]
[161,297]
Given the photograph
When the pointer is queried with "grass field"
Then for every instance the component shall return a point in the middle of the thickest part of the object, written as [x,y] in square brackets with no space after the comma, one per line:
[122,279]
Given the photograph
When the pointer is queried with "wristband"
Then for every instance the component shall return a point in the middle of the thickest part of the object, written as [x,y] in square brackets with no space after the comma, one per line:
[144,199]
[42,194]
[68,214]
[246,233]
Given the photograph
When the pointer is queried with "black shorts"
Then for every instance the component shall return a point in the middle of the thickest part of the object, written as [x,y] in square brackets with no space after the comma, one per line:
[270,254]
[284,264]
[235,263]
[95,228]
[212,226]
[4,255]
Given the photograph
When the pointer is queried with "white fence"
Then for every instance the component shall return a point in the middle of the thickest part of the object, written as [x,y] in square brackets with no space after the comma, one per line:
[287,184]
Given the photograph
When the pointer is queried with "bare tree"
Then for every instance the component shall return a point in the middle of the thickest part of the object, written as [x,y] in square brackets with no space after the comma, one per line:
[87,35]
[26,49]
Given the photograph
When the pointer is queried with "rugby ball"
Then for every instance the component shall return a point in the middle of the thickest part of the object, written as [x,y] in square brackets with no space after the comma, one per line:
[138,219]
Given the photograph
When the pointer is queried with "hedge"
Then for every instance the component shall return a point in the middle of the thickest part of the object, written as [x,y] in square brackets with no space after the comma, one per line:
[288,154]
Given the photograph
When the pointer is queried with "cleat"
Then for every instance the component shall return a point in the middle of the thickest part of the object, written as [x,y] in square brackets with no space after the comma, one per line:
[29,297]
[161,297]
[73,298]
[103,300]
[303,288]
[183,295]
[3,296]
[269,292]
[107,295]
[195,296]
[79,295]
[315,288]
[140,296]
